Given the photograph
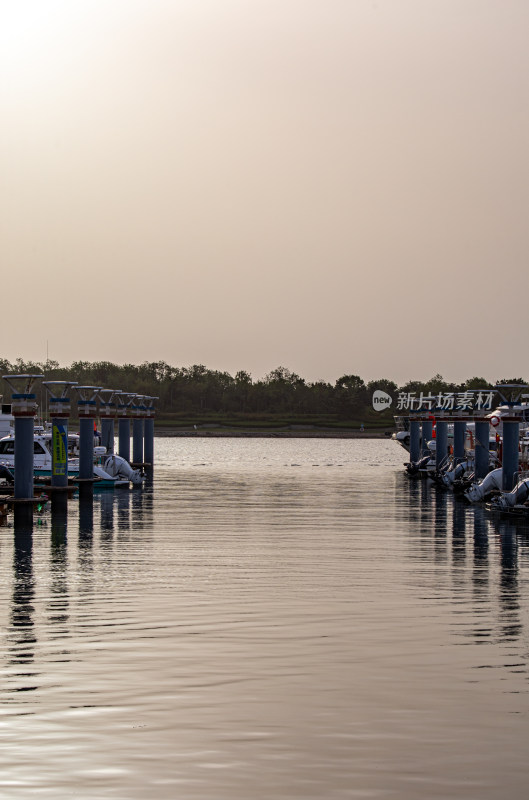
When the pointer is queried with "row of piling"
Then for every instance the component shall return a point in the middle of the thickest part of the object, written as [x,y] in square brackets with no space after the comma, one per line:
[113,404]
[421,431]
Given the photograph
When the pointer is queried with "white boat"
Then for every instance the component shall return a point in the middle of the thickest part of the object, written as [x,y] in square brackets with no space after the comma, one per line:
[110,470]
[7,420]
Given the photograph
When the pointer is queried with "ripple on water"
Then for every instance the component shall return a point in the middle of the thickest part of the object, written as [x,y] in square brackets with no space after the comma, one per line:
[274,618]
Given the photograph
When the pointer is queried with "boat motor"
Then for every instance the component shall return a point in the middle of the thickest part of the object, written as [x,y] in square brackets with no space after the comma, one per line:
[516,497]
[490,484]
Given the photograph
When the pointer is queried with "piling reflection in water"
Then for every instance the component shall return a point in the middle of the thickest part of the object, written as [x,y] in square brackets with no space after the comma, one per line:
[143,504]
[440,516]
[137,506]
[58,602]
[123,511]
[85,554]
[440,523]
[509,601]
[22,638]
[59,517]
[105,501]
[23,517]
[481,549]
[86,511]
[21,677]
[459,521]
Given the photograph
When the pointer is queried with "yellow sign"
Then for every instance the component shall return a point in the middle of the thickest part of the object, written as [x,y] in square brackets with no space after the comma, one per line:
[59,450]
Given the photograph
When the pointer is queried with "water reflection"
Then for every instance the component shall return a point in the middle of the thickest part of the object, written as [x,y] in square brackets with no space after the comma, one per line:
[58,603]
[509,601]
[480,570]
[143,504]
[137,503]
[443,515]
[424,514]
[105,501]
[440,524]
[321,623]
[123,510]
[22,638]
[86,511]
[459,521]
[85,554]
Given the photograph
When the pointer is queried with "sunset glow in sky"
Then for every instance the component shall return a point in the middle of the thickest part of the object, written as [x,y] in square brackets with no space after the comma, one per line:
[336,186]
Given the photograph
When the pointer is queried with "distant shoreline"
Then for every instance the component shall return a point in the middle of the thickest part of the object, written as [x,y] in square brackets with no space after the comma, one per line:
[168,431]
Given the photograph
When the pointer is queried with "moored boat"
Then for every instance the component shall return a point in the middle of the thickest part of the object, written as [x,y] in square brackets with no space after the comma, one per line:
[109,470]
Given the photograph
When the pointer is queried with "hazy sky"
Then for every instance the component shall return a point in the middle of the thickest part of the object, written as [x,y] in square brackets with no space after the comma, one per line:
[336,186]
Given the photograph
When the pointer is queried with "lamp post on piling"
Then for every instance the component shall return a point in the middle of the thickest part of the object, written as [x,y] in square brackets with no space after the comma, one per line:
[59,406]
[23,408]
[87,411]
[107,414]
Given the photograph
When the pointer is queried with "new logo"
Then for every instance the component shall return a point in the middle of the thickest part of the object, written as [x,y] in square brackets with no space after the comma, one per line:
[381,400]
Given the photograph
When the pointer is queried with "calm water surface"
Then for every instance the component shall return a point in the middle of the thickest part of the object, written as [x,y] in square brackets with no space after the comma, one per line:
[270,619]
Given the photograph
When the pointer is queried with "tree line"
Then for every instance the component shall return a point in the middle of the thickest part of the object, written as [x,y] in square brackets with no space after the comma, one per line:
[199,392]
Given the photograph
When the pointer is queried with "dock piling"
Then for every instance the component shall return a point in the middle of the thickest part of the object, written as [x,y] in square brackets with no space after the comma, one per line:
[481,448]
[460,432]
[415,440]
[23,408]
[510,393]
[59,406]
[511,435]
[441,442]
[86,409]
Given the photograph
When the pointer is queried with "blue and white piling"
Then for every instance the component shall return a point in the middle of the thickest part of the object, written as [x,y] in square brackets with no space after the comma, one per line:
[481,447]
[441,440]
[460,434]
[59,408]
[87,412]
[23,408]
[510,434]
